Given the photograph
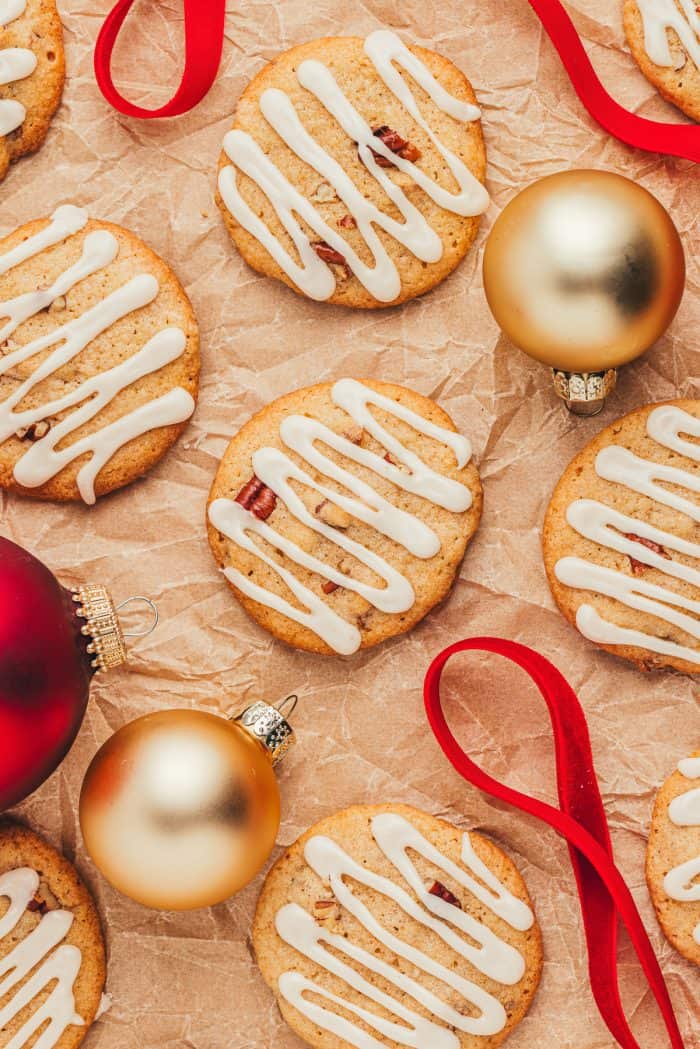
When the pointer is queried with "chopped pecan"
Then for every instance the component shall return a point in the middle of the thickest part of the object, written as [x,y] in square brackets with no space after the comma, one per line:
[329,587]
[328,254]
[258,498]
[331,256]
[8,346]
[443,893]
[393,141]
[323,193]
[347,222]
[639,566]
[325,909]
[58,304]
[37,904]
[34,432]
[333,515]
[354,433]
[394,462]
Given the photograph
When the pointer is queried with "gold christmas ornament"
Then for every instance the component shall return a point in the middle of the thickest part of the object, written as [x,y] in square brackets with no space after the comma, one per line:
[584,270]
[180,809]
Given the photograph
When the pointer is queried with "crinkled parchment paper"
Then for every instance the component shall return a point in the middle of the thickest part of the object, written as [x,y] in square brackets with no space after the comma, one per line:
[189,980]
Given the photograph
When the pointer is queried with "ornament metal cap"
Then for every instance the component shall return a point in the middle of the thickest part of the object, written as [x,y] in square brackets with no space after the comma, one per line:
[107,639]
[584,392]
[269,726]
[95,606]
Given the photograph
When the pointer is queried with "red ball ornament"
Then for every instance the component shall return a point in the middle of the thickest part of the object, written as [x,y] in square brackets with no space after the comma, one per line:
[52,641]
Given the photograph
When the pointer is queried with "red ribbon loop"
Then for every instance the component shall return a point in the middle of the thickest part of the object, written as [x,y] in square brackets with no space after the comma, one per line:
[680,140]
[204,41]
[580,820]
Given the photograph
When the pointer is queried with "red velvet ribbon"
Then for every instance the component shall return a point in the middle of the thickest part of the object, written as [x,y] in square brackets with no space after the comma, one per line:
[204,37]
[204,41]
[679,140]
[580,819]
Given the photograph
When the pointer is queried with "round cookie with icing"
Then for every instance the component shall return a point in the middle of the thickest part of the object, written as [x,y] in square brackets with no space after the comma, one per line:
[673,858]
[354,171]
[52,955]
[32,73]
[664,37]
[99,357]
[384,925]
[341,512]
[621,542]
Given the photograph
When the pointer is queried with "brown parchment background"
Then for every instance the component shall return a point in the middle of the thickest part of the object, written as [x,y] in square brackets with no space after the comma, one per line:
[188,981]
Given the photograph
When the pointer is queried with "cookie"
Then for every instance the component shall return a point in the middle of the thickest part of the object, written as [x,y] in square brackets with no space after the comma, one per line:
[354,171]
[620,540]
[673,858]
[52,955]
[32,74]
[99,357]
[341,512]
[664,38]
[383,923]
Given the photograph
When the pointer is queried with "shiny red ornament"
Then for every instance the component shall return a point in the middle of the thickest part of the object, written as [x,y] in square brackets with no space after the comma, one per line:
[48,655]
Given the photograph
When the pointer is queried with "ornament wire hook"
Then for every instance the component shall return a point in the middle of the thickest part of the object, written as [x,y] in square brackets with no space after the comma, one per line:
[293,700]
[154,610]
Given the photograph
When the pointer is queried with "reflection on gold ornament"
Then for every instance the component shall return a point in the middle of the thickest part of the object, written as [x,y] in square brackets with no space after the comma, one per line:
[180,809]
[584,270]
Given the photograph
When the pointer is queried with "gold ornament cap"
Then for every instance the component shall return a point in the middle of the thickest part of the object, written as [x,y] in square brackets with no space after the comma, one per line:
[106,645]
[584,392]
[269,726]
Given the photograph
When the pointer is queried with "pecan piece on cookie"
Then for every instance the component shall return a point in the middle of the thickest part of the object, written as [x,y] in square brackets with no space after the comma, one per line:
[333,515]
[258,498]
[34,432]
[38,905]
[328,254]
[443,893]
[393,141]
[639,566]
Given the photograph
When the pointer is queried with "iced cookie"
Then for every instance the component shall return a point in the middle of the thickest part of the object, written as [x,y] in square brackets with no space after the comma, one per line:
[382,923]
[32,73]
[99,357]
[621,542]
[664,37]
[52,956]
[673,858]
[354,170]
[341,512]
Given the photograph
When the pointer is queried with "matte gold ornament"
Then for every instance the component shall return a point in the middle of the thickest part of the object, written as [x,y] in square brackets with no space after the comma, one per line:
[584,270]
[180,809]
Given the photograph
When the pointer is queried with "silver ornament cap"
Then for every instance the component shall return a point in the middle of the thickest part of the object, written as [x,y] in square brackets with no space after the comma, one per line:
[269,726]
[584,392]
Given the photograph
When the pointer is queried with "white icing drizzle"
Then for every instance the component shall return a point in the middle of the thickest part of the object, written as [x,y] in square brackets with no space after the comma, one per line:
[312,275]
[43,954]
[658,16]
[43,460]
[16,63]
[609,527]
[683,882]
[481,947]
[275,469]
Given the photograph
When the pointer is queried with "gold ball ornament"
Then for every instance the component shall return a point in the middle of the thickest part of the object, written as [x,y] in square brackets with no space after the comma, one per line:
[180,809]
[584,271]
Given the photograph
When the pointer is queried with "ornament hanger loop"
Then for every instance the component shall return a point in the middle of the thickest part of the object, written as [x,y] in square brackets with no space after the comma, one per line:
[154,623]
[290,702]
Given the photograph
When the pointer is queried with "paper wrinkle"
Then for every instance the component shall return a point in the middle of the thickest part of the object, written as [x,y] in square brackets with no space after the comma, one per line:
[187,981]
